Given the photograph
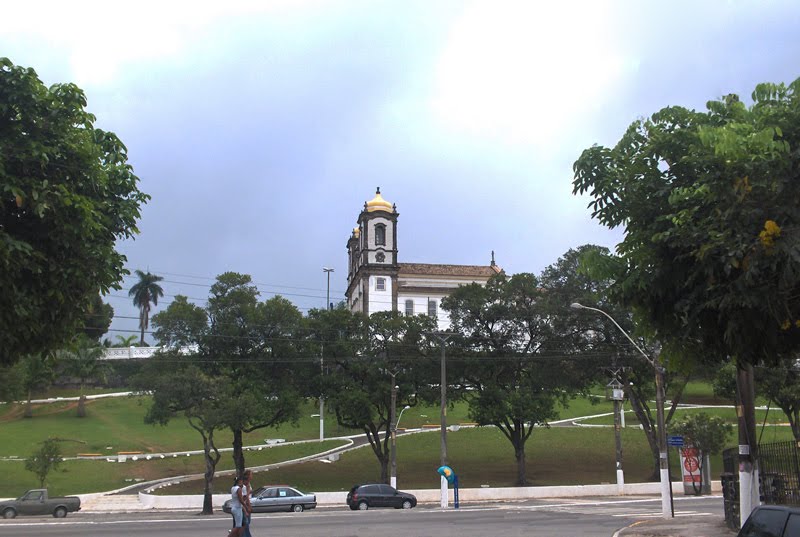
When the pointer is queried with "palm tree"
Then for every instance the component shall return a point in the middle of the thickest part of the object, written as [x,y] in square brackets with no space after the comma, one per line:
[85,363]
[125,341]
[37,374]
[145,291]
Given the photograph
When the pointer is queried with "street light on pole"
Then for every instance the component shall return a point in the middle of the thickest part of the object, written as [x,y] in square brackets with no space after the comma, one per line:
[393,479]
[328,294]
[321,360]
[666,488]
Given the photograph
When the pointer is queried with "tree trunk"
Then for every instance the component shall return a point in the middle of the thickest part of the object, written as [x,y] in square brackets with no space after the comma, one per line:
[211,460]
[238,452]
[28,407]
[794,421]
[644,417]
[385,471]
[517,436]
[82,406]
[380,449]
[519,453]
[748,443]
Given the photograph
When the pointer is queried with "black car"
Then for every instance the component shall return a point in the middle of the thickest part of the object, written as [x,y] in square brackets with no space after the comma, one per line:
[363,497]
[772,521]
[278,498]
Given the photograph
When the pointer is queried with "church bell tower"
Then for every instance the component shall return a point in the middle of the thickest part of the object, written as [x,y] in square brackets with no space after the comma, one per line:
[372,258]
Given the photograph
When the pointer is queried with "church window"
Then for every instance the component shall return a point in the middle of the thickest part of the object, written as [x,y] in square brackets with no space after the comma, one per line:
[380,235]
[409,307]
[431,308]
[380,257]
[380,284]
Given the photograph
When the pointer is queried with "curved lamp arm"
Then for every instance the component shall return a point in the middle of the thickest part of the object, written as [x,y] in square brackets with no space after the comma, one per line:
[578,306]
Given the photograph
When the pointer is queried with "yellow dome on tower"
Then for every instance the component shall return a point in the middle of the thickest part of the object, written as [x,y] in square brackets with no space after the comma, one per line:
[379,204]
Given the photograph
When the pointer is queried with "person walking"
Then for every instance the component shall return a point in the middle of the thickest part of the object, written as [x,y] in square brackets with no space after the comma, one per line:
[237,508]
[247,508]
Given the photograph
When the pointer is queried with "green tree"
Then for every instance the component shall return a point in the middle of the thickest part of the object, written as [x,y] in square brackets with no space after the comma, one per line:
[11,387]
[145,291]
[705,433]
[364,357]
[251,344]
[37,374]
[245,347]
[179,387]
[778,383]
[97,318]
[583,275]
[513,360]
[710,203]
[85,362]
[182,324]
[44,460]
[67,194]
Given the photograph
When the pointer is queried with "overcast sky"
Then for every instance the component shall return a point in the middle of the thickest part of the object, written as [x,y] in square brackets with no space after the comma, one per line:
[260,128]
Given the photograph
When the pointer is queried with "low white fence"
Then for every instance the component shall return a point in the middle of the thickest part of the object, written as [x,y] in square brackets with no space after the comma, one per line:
[484,494]
[137,353]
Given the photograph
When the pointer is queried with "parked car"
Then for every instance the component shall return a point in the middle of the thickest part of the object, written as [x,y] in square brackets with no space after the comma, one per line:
[772,521]
[38,502]
[278,498]
[368,495]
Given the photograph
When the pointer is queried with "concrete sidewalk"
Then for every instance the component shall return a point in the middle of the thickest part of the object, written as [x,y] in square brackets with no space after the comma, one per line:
[683,526]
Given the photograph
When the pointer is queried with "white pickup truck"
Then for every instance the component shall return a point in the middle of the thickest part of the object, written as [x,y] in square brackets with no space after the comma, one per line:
[37,502]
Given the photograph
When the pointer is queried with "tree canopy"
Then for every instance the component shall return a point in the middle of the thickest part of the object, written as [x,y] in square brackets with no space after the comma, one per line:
[710,202]
[67,194]
[248,352]
[516,361]
[364,358]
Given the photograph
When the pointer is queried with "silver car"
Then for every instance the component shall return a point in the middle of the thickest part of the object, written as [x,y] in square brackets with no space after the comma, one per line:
[278,498]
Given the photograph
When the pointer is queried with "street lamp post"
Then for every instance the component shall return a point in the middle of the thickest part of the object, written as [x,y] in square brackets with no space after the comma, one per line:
[666,496]
[328,294]
[443,337]
[321,360]
[394,446]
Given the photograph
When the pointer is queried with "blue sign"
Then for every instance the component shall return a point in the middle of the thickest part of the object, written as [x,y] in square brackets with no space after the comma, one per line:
[675,441]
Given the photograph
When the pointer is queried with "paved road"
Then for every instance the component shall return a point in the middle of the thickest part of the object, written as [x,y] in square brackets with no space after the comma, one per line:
[543,518]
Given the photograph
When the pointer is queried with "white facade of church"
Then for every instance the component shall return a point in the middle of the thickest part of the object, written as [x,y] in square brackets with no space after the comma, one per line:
[377,281]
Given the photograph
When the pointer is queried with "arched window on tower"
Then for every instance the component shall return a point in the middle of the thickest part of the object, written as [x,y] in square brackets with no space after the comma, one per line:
[380,234]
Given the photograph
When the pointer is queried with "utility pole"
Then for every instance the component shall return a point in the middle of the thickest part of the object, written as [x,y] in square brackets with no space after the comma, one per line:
[666,486]
[393,432]
[322,359]
[443,337]
[617,396]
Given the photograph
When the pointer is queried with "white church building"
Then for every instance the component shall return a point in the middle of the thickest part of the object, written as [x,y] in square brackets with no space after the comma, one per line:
[377,281]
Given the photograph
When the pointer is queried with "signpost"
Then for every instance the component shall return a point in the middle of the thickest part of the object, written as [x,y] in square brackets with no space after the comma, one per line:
[675,441]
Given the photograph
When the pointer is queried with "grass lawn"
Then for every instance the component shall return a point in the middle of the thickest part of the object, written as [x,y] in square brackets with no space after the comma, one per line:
[80,476]
[555,456]
[117,424]
[480,456]
[775,416]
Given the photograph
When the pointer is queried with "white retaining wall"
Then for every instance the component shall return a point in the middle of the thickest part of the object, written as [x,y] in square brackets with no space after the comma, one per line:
[195,501]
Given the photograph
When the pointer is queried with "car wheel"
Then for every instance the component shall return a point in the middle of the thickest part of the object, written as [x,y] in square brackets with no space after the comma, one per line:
[60,512]
[406,504]
[9,513]
[297,508]
[362,506]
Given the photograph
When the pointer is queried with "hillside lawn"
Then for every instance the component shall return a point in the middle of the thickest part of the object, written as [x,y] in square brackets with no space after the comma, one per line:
[481,456]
